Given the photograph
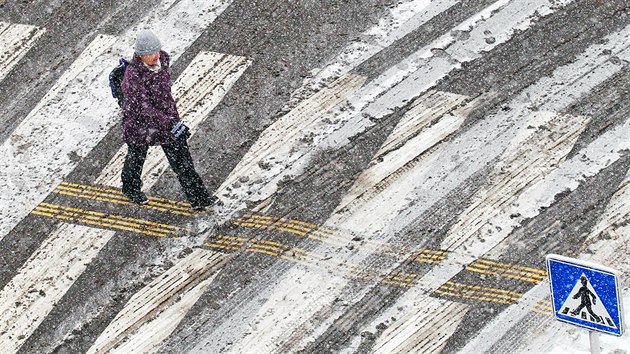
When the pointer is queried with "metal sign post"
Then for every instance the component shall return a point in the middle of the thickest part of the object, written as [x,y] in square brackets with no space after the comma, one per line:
[586,295]
[594,340]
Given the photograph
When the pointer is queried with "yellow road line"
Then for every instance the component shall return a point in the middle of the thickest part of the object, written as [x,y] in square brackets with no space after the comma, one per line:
[281,222]
[293,249]
[430,257]
[470,287]
[313,226]
[276,226]
[116,191]
[507,269]
[423,256]
[440,253]
[117,200]
[510,276]
[488,294]
[121,200]
[116,195]
[231,243]
[528,274]
[252,249]
[51,215]
[221,246]
[262,245]
[389,282]
[273,227]
[143,222]
[286,252]
[542,311]
[105,221]
[299,228]
[542,272]
[278,222]
[231,237]
[543,307]
[544,303]
[280,225]
[102,224]
[402,276]
[427,261]
[473,297]
[282,251]
[98,216]
[269,226]
[505,275]
[272,248]
[104,215]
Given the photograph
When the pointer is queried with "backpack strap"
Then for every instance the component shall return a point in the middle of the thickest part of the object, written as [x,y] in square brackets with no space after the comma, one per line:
[115,80]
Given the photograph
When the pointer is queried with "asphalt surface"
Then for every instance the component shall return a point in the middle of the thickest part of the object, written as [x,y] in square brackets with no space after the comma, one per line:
[286,41]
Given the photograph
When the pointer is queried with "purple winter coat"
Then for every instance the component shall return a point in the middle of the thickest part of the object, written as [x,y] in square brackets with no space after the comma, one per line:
[149,109]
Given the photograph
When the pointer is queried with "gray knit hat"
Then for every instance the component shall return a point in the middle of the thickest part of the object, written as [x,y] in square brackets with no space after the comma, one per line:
[147,43]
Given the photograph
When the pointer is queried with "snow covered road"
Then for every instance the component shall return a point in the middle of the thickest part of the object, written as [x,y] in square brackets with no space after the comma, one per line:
[392,175]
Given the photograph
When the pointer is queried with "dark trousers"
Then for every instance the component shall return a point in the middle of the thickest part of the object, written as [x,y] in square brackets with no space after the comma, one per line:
[181,162]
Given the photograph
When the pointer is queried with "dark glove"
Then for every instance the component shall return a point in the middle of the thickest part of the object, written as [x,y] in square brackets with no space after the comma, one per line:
[180,131]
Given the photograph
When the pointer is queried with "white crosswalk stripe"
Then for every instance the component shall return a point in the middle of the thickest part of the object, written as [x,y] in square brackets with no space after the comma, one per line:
[287,132]
[151,314]
[426,66]
[530,157]
[77,113]
[15,42]
[44,279]
[570,83]
[431,119]
[424,329]
[403,18]
[494,133]
[586,73]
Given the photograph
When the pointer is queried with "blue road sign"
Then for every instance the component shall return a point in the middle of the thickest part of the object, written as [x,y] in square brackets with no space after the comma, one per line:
[585,294]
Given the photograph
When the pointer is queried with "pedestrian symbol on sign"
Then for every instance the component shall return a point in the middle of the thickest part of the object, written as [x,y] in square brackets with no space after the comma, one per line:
[584,303]
[585,294]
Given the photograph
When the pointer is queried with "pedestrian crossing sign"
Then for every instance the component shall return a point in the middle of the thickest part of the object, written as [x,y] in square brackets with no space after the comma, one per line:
[585,294]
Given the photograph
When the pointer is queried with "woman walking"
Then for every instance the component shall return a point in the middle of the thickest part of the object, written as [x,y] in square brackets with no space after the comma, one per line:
[150,118]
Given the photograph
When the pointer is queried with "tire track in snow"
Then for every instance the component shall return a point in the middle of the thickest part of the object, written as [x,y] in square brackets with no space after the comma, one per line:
[15,42]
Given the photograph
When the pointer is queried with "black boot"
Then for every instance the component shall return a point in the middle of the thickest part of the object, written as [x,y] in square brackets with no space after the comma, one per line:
[137,197]
[202,204]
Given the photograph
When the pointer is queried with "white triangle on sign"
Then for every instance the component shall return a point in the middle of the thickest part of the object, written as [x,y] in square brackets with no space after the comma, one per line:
[571,305]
